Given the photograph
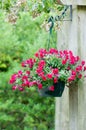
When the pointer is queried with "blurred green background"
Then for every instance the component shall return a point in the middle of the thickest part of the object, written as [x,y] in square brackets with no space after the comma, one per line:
[19,40]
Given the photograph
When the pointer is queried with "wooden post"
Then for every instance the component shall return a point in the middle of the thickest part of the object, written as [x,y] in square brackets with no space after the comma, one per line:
[72,36]
[73,107]
[62,112]
[82,52]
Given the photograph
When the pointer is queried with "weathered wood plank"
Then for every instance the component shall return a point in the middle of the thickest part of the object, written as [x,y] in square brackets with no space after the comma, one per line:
[73,107]
[72,2]
[82,52]
[72,35]
[62,112]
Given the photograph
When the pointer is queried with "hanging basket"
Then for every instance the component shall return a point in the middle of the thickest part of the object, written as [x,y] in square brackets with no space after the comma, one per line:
[58,90]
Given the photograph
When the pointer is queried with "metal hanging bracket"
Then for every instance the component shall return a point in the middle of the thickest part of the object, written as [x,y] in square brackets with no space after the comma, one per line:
[66,15]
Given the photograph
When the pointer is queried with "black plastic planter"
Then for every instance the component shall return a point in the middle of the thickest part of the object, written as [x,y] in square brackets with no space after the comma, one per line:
[58,90]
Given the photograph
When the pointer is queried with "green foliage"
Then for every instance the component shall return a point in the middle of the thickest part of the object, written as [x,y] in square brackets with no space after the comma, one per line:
[6,4]
[16,42]
[25,109]
[8,43]
[22,110]
[30,33]
[26,30]
[34,7]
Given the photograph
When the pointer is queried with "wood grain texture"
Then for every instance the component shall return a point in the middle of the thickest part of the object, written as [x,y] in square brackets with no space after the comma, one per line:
[62,112]
[73,107]
[72,36]
[82,52]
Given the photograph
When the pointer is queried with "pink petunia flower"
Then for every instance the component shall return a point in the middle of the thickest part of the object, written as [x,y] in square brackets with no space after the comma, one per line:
[51,88]
[49,76]
[40,86]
